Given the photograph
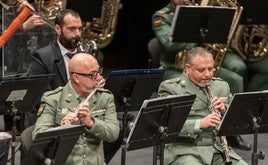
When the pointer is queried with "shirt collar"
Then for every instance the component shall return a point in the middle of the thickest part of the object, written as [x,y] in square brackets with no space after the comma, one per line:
[73,92]
[63,50]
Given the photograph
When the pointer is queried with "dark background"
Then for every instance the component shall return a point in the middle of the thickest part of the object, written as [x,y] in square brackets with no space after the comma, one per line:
[128,50]
[255,12]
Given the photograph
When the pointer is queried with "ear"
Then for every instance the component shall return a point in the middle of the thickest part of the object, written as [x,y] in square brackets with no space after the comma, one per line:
[57,29]
[75,78]
[187,67]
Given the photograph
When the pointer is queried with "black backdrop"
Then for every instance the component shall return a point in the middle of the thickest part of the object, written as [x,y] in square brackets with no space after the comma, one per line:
[134,30]
[255,11]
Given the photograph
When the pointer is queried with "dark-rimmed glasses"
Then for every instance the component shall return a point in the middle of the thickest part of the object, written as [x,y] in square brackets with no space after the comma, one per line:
[93,75]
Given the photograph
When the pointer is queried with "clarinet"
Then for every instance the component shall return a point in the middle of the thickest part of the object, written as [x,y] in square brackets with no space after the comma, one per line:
[224,143]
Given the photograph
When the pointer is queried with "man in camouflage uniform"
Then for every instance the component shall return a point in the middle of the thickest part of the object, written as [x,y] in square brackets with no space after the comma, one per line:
[197,142]
[233,69]
[98,114]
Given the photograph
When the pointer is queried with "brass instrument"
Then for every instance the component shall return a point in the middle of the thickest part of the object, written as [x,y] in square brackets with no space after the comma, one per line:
[218,50]
[251,42]
[102,30]
[87,47]
[48,9]
[224,143]
[220,54]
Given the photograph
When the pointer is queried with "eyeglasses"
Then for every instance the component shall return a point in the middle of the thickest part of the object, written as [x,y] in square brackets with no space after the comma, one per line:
[93,75]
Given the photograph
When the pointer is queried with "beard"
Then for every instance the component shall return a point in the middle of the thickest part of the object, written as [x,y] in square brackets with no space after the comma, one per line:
[69,43]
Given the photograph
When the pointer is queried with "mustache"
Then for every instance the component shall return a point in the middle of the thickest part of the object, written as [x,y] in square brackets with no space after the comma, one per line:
[206,79]
[76,39]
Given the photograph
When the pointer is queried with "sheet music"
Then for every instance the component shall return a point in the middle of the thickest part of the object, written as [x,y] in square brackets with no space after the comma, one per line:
[16,95]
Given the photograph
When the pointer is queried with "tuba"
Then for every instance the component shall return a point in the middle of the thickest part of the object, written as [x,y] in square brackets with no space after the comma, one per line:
[218,50]
[251,42]
[102,30]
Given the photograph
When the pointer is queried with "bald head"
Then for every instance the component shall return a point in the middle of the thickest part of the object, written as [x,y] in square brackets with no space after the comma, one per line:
[85,73]
[83,63]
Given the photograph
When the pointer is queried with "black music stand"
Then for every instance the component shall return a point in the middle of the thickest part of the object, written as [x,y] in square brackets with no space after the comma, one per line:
[53,146]
[130,88]
[135,85]
[159,121]
[19,95]
[247,114]
[202,24]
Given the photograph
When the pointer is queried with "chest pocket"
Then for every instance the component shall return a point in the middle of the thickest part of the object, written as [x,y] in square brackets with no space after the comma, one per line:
[199,108]
[100,116]
[61,112]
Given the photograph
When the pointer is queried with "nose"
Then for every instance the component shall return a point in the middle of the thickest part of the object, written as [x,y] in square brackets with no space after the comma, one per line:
[99,76]
[78,32]
[207,72]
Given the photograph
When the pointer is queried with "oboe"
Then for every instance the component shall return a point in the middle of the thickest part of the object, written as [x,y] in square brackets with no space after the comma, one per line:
[224,143]
[86,100]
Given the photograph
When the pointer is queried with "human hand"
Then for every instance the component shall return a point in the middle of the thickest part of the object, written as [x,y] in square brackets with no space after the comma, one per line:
[211,120]
[23,4]
[218,104]
[70,118]
[84,115]
[32,22]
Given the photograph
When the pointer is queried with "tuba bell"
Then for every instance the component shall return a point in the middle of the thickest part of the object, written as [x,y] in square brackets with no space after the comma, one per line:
[251,42]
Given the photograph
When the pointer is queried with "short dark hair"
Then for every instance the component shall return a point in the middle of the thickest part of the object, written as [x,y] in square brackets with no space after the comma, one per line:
[200,51]
[61,15]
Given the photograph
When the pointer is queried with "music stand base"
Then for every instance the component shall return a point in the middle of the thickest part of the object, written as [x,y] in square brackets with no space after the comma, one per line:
[123,154]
